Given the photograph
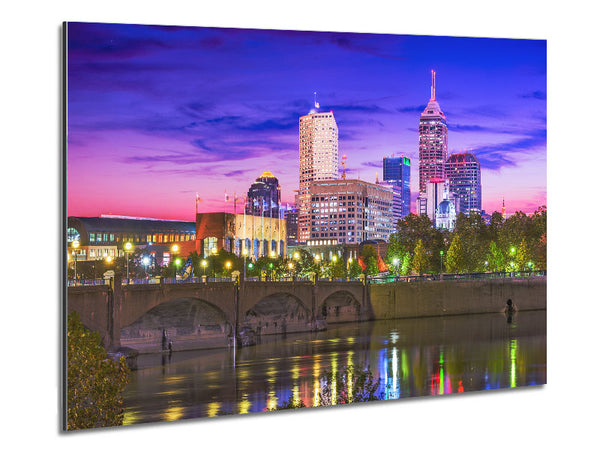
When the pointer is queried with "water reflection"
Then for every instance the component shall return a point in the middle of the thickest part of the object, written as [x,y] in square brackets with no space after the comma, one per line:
[415,357]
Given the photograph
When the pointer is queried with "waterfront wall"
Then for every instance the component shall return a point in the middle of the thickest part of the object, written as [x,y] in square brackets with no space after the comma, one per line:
[454,297]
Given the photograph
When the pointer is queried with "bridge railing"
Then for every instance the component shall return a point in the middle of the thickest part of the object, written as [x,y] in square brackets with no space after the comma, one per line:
[372,280]
[456,276]
[71,283]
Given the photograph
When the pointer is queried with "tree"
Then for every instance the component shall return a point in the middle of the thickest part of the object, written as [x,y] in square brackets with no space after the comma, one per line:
[405,267]
[369,255]
[523,255]
[495,258]
[455,258]
[354,270]
[419,261]
[95,382]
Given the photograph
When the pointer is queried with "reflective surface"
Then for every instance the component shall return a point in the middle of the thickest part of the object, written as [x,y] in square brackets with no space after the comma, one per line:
[412,357]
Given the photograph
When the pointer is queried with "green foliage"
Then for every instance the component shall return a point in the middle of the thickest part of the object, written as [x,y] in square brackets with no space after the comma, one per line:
[337,269]
[495,258]
[455,258]
[419,260]
[95,382]
[523,256]
[369,255]
[405,267]
[354,270]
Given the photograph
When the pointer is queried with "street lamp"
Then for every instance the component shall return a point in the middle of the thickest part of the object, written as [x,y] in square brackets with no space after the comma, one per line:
[245,253]
[174,251]
[317,258]
[75,245]
[395,262]
[228,265]
[128,248]
[204,263]
[441,264]
[145,262]
[529,264]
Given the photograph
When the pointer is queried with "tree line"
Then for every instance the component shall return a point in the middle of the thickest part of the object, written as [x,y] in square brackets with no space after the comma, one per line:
[514,244]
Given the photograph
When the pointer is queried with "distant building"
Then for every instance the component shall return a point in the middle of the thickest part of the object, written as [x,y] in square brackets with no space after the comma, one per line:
[318,160]
[259,235]
[349,211]
[104,236]
[463,172]
[264,196]
[445,215]
[433,141]
[396,172]
[291,221]
[436,192]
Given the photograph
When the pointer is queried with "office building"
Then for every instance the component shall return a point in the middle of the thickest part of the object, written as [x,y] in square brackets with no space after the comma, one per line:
[463,172]
[396,172]
[433,141]
[349,211]
[318,160]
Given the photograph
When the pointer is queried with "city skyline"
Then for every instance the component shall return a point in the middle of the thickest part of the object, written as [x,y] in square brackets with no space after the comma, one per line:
[157,114]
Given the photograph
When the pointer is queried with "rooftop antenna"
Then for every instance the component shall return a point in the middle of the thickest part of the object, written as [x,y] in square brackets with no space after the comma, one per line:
[344,158]
[317,106]
[433,85]
[376,177]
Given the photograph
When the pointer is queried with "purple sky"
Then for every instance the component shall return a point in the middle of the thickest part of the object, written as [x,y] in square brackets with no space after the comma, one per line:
[156,114]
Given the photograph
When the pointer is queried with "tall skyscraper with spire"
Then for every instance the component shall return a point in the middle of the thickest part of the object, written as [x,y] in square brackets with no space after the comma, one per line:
[318,160]
[433,141]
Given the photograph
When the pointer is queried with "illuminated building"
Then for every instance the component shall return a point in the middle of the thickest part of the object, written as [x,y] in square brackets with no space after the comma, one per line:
[318,160]
[433,141]
[349,211]
[396,172]
[436,192]
[291,221]
[238,232]
[463,172]
[264,196]
[104,236]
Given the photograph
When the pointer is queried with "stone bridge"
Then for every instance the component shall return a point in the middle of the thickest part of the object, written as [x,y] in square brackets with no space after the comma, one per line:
[115,310]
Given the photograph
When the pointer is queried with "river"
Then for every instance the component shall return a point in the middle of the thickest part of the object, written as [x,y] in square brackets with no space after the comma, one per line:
[410,357]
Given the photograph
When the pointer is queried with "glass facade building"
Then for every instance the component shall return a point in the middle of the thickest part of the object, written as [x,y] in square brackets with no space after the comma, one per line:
[463,172]
[396,172]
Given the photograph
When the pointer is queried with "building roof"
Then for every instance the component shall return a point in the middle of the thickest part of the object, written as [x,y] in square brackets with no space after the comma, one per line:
[114,225]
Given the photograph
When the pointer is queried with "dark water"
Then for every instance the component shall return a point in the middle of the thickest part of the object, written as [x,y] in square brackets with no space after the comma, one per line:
[411,357]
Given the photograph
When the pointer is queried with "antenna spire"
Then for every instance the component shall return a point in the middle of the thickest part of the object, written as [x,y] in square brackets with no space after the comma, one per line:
[433,85]
[316,103]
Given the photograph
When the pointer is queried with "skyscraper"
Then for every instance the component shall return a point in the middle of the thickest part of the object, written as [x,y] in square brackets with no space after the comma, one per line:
[396,171]
[318,154]
[433,141]
[463,172]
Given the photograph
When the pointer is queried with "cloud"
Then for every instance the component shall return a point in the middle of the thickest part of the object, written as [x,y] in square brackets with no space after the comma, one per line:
[537,95]
[496,156]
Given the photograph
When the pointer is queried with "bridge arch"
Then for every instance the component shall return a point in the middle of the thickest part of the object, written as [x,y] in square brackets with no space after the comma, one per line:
[339,306]
[186,323]
[280,312]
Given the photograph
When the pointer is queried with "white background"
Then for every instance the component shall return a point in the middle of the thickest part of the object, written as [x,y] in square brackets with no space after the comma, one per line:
[563,413]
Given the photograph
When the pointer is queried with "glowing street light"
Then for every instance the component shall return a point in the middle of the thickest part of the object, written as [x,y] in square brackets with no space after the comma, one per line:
[128,249]
[146,262]
[441,264]
[296,255]
[204,263]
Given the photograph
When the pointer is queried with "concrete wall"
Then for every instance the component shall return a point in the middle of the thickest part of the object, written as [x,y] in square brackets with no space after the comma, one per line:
[452,297]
